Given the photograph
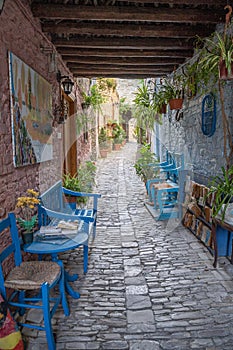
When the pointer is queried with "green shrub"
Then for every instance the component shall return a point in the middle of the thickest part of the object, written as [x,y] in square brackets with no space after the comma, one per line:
[144,164]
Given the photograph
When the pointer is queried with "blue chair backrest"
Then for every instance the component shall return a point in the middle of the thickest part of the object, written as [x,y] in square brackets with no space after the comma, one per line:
[53,197]
[9,224]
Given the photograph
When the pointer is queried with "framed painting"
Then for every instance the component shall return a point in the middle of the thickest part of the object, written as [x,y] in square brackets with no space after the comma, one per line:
[31,114]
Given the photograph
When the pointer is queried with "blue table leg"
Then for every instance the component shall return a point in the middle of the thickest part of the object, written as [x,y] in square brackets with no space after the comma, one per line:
[68,278]
[71,278]
[69,289]
[85,259]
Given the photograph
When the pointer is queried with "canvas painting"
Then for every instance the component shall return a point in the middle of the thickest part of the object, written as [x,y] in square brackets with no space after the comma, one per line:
[31,112]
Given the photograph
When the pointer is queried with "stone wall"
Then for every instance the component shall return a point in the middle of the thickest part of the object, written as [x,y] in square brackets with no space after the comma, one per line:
[127,88]
[203,154]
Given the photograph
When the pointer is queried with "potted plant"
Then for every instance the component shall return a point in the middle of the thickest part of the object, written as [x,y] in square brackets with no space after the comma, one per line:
[145,111]
[71,182]
[190,71]
[217,55]
[174,91]
[82,181]
[86,177]
[27,218]
[117,134]
[221,188]
[93,99]
[143,165]
[103,143]
[160,101]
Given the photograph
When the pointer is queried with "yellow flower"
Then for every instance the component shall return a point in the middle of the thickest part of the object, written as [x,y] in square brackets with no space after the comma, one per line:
[28,204]
[33,193]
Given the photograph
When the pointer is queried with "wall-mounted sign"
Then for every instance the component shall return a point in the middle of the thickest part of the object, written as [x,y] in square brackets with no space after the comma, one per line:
[208,124]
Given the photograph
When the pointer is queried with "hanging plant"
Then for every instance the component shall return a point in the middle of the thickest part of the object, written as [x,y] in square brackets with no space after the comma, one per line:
[174,91]
[145,109]
[217,52]
[216,57]
[94,99]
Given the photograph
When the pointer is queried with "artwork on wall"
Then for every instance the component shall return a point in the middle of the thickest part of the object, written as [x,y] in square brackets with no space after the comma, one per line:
[31,113]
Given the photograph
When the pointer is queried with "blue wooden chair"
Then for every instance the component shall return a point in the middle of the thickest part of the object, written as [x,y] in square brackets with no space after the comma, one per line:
[164,170]
[28,278]
[167,200]
[170,175]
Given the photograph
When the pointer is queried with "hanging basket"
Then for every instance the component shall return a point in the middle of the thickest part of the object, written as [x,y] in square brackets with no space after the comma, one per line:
[176,103]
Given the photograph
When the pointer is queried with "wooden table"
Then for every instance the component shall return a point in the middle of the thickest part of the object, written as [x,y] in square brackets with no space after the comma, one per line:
[226,226]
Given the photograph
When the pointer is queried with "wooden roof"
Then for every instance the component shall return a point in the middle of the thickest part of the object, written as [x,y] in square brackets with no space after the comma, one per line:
[126,39]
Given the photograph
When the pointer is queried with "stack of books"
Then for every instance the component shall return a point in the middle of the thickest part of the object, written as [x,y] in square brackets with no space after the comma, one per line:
[63,231]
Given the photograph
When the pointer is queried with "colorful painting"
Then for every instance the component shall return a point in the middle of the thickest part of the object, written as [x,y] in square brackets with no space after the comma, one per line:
[31,111]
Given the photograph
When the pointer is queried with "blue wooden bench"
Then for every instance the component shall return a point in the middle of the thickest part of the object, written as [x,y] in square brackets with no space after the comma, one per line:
[163,191]
[54,204]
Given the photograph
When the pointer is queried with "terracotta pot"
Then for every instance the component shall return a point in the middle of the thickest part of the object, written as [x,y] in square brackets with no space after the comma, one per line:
[163,109]
[71,202]
[71,199]
[176,103]
[103,153]
[223,72]
[117,146]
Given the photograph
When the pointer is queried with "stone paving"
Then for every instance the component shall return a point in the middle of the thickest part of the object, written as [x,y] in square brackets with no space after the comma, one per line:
[150,284]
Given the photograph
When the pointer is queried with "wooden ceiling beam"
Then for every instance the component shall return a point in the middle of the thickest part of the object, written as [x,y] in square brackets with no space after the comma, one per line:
[129,43]
[129,29]
[97,52]
[74,60]
[92,69]
[180,2]
[119,75]
[127,13]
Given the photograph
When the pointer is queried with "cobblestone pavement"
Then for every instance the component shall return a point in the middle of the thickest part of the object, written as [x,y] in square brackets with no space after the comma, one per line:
[150,284]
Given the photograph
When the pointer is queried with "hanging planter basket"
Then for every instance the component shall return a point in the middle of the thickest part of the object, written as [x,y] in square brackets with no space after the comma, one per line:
[176,103]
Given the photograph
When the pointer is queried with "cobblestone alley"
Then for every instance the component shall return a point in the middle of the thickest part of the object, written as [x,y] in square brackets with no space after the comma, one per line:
[150,284]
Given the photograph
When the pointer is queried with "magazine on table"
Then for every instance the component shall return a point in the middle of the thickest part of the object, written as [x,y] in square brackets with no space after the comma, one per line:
[60,233]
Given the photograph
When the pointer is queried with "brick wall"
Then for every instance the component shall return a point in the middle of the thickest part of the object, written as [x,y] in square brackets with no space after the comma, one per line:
[21,34]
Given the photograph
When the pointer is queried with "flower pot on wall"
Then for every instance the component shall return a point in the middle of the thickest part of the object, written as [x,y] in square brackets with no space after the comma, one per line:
[223,72]
[163,109]
[176,103]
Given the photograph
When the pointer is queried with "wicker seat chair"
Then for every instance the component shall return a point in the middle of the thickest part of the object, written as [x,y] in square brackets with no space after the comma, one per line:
[37,277]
